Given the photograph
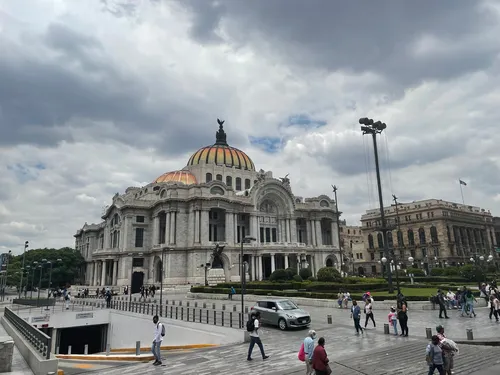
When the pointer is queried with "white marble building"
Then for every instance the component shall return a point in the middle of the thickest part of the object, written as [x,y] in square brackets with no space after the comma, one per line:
[217,198]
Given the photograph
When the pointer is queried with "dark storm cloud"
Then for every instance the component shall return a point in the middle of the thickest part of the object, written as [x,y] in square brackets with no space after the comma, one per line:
[355,35]
[40,99]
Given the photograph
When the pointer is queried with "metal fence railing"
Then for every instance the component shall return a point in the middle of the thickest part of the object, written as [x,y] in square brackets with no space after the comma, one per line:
[37,339]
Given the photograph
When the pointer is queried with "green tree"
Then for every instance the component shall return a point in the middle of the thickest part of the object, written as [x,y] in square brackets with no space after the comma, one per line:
[329,274]
[66,271]
[472,273]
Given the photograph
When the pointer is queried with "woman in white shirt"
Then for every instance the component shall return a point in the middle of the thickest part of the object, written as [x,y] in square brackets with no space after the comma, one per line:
[369,312]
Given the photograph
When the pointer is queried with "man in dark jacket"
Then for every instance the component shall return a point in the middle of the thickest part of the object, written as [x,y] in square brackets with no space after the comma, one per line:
[441,299]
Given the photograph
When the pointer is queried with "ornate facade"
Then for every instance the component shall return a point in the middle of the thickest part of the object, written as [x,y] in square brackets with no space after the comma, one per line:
[434,232]
[218,199]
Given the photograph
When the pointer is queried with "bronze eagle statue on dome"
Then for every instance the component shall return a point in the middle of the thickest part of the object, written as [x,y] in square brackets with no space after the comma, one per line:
[220,122]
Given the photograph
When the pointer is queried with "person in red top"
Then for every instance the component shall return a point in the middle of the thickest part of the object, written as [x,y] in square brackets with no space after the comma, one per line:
[320,359]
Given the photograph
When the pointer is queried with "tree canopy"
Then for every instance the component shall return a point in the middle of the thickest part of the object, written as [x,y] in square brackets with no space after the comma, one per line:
[66,271]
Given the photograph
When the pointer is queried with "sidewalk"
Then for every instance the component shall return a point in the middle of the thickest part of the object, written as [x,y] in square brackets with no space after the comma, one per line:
[19,365]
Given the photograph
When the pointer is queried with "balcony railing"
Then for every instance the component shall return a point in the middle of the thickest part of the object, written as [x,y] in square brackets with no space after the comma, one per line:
[37,339]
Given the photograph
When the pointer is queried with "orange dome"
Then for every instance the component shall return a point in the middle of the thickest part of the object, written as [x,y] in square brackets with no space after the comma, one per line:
[220,153]
[182,177]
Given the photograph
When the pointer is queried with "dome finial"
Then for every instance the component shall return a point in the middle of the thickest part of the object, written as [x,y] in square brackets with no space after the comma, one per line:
[220,136]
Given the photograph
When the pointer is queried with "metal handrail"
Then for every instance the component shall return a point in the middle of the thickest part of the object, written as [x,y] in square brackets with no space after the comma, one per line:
[38,340]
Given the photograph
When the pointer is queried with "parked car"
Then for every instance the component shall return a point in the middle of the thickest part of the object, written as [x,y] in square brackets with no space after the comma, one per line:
[282,313]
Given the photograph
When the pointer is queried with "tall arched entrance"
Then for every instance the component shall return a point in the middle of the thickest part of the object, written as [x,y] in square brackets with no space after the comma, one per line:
[137,281]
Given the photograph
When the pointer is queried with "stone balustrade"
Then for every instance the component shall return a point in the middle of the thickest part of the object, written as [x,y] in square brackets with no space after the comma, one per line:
[6,353]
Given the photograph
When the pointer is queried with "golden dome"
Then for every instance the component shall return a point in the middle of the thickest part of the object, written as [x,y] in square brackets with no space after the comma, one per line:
[182,177]
[220,153]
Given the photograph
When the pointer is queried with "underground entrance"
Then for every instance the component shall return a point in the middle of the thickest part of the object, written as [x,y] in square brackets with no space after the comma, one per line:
[95,336]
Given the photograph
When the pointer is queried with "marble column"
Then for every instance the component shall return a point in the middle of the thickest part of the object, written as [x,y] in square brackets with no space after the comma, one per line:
[287,226]
[115,271]
[124,232]
[166,240]
[229,233]
[319,239]
[273,263]
[280,237]
[196,226]
[313,266]
[235,228]
[204,221]
[256,232]
[103,273]
[286,261]
[335,235]
[107,242]
[94,275]
[173,225]
[313,232]
[254,268]
[155,230]
[293,230]
[259,267]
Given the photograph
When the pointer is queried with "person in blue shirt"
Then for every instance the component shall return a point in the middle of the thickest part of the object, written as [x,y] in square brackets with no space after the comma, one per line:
[356,316]
[309,350]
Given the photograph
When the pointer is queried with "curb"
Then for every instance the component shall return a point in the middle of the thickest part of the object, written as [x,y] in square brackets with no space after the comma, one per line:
[118,358]
[166,348]
[487,342]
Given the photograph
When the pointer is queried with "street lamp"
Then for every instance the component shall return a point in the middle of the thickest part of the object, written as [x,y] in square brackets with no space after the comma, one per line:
[206,268]
[161,279]
[490,257]
[374,128]
[472,259]
[242,278]
[481,258]
[26,244]
[35,266]
[334,187]
[50,277]
[44,261]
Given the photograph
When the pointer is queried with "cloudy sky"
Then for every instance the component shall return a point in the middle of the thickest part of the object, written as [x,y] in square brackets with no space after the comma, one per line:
[99,95]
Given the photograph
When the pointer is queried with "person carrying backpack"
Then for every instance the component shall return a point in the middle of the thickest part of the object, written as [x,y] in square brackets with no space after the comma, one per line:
[253,326]
[434,356]
[158,338]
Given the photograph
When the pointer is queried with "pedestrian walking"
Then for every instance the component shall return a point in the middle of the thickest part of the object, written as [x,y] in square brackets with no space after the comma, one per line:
[441,300]
[369,312]
[158,338]
[320,359]
[356,316]
[469,300]
[449,349]
[253,326]
[403,318]
[393,320]
[434,356]
[108,298]
[232,292]
[309,351]
[495,307]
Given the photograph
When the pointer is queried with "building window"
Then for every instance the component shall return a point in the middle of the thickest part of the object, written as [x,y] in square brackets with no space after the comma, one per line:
[139,219]
[218,177]
[273,235]
[400,239]
[262,235]
[360,255]
[421,236]
[138,262]
[229,181]
[372,256]
[390,243]
[238,184]
[139,237]
[380,240]
[434,235]
[247,183]
[370,242]
[411,238]
[268,235]
[208,177]
[357,255]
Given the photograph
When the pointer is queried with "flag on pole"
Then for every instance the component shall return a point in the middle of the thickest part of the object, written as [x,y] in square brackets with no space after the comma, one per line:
[462,183]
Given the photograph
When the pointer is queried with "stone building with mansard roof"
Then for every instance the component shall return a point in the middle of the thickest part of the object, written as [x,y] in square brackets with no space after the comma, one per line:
[218,198]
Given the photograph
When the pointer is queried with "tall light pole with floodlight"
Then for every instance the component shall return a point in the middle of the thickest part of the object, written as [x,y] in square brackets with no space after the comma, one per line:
[377,127]
[242,277]
[26,244]
[334,187]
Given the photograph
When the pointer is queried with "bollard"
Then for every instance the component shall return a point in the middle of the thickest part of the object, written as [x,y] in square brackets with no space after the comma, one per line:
[196,304]
[173,303]
[57,350]
[86,349]
[223,307]
[69,349]
[213,306]
[470,335]
[386,329]
[204,305]
[329,319]
[137,348]
[231,319]
[234,308]
[187,304]
[180,303]
[428,333]
[108,349]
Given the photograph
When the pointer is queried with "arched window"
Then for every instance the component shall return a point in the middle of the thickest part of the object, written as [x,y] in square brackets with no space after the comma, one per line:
[421,236]
[247,183]
[401,242]
[434,235]
[390,243]
[411,238]
[370,242]
[380,240]
[238,184]
[218,177]
[208,177]
[229,181]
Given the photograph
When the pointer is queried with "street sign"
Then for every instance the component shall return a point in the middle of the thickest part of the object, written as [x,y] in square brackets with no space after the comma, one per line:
[497,249]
